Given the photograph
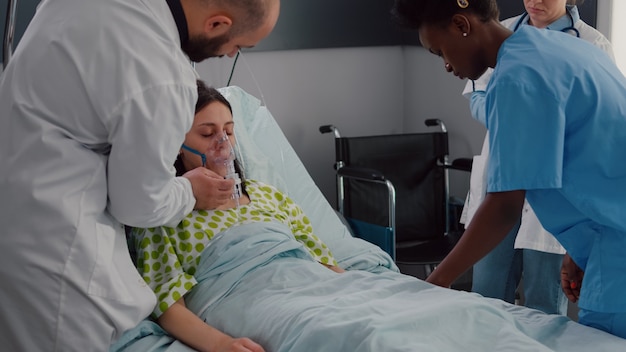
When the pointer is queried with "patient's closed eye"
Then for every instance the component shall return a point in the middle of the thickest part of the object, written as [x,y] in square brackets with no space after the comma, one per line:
[207,131]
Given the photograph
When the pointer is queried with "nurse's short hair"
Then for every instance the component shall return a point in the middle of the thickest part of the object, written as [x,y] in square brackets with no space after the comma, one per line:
[412,14]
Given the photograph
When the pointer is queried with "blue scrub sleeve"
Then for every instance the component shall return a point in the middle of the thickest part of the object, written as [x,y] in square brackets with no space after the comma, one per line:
[526,135]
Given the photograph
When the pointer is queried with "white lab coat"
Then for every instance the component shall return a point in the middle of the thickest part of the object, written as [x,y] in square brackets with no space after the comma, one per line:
[531,235]
[94,106]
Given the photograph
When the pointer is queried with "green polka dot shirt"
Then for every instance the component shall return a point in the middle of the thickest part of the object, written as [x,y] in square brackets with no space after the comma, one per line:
[168,257]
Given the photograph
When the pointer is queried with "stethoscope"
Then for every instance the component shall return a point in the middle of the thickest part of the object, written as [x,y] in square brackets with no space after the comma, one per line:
[571,28]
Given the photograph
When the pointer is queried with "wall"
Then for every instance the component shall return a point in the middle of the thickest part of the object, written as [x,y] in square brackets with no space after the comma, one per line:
[431,92]
[315,24]
[371,90]
[359,90]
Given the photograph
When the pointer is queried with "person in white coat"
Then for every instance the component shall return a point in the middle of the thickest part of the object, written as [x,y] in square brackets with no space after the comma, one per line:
[528,251]
[94,106]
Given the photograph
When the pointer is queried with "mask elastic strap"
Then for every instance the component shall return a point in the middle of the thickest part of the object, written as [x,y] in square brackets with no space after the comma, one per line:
[197,153]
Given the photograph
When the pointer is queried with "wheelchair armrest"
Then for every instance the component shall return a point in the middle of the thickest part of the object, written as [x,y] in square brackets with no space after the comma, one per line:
[361,173]
[462,164]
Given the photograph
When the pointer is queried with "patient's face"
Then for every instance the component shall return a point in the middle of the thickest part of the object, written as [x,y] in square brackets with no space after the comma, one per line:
[207,136]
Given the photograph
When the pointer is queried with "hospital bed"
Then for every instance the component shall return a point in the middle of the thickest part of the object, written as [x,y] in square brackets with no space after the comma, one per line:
[437,320]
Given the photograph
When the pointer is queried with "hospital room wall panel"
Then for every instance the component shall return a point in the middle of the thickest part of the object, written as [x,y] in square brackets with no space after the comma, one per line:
[366,90]
[432,92]
[359,90]
[363,90]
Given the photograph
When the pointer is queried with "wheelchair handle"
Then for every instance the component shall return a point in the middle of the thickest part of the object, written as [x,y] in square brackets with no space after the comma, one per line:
[330,128]
[436,122]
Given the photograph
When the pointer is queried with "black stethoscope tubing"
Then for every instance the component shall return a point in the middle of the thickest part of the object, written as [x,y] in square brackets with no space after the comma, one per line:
[571,28]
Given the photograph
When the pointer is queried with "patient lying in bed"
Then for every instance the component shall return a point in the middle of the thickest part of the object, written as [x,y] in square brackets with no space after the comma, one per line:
[168,257]
[257,279]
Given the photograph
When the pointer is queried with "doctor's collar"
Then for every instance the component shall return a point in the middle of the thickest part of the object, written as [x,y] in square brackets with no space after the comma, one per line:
[180,19]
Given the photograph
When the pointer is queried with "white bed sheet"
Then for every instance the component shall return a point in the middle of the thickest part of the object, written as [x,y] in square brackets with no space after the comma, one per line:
[283,299]
[268,157]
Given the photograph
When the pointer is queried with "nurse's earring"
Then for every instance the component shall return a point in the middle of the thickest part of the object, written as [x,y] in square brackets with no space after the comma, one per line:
[464,34]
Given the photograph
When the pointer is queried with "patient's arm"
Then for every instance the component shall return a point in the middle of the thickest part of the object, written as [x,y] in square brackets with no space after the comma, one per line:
[493,220]
[188,328]
[334,268]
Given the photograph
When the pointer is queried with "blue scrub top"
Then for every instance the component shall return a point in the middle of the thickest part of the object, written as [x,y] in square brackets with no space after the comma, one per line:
[556,115]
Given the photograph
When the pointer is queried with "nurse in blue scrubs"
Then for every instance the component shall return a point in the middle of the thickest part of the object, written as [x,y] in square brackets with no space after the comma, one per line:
[556,116]
[528,251]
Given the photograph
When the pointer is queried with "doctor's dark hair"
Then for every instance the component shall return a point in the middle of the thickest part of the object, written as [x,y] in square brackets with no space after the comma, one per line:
[412,14]
[206,96]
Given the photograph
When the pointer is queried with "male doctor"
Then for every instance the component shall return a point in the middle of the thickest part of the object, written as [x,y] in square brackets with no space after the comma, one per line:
[94,106]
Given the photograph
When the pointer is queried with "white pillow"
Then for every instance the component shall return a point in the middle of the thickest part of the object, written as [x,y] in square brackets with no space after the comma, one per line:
[268,157]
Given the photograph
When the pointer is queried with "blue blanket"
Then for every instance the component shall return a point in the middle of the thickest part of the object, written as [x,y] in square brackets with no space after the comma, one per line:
[256,281]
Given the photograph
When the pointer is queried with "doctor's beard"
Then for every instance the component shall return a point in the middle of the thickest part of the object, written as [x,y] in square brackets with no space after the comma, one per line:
[200,48]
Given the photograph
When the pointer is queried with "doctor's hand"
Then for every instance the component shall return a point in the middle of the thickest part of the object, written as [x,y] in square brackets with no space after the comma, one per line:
[210,189]
[571,278]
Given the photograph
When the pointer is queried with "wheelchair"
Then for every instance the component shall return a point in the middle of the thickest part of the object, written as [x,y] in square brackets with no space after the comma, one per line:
[393,191]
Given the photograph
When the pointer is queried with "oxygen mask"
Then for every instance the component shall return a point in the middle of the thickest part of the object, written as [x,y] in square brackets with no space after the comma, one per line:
[223,156]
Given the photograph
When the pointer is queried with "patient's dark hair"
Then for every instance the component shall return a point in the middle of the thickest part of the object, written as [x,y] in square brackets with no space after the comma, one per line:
[206,96]
[412,14]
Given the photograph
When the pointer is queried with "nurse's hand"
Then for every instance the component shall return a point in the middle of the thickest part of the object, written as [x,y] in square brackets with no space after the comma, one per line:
[571,278]
[210,189]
